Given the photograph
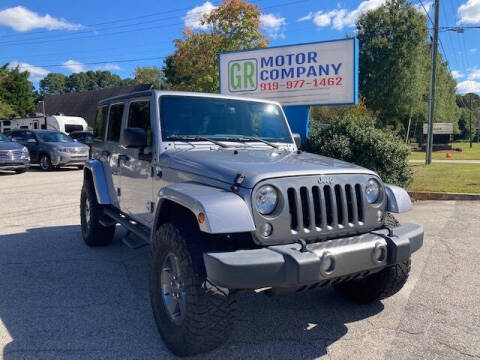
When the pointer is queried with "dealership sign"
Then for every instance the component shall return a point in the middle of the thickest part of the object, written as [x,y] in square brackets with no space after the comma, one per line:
[439,129]
[322,73]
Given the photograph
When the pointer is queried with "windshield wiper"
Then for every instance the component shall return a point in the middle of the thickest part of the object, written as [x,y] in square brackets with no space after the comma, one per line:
[254,138]
[195,138]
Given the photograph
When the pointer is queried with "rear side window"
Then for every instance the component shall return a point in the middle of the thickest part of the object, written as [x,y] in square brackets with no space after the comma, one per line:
[139,117]
[100,123]
[115,122]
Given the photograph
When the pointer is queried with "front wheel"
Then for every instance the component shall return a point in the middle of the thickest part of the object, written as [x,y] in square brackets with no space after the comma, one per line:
[93,232]
[192,315]
[45,163]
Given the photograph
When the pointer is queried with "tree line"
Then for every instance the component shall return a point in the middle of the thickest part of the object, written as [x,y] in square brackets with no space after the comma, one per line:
[394,69]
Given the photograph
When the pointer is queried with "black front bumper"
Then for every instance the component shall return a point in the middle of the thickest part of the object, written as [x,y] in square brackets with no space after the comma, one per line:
[288,266]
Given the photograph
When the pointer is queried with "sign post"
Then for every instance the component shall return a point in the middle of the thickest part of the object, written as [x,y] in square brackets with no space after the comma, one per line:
[297,76]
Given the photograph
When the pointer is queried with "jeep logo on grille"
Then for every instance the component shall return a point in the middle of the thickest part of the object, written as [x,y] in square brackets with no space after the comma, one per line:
[325,180]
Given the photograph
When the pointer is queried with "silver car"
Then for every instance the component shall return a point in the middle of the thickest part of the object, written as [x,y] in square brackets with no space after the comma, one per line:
[13,156]
[51,149]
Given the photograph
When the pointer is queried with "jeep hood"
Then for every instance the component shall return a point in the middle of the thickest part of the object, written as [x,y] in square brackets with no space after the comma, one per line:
[256,164]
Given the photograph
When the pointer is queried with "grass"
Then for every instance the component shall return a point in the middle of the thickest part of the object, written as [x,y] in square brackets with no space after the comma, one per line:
[465,154]
[446,177]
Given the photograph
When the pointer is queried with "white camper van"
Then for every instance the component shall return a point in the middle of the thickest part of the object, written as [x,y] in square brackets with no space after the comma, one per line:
[65,124]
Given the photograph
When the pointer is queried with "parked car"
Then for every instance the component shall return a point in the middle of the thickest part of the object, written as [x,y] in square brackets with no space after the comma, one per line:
[13,156]
[220,190]
[51,149]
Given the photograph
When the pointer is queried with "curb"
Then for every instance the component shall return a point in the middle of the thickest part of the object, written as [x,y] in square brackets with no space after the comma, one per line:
[427,195]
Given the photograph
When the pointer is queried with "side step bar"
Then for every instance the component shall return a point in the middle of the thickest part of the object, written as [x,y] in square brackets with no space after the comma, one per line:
[139,230]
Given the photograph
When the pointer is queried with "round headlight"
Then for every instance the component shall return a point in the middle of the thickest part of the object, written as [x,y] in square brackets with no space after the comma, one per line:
[372,191]
[266,199]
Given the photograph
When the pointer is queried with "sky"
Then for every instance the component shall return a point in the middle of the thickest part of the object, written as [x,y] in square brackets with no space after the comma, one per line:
[73,36]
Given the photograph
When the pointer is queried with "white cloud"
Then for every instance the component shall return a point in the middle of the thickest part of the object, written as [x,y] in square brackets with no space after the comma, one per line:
[274,25]
[77,66]
[457,74]
[108,67]
[195,15]
[21,19]
[474,74]
[341,18]
[307,17]
[469,13]
[74,66]
[427,5]
[468,86]
[36,73]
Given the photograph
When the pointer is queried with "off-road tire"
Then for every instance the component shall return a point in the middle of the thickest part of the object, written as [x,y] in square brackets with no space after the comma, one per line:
[208,317]
[45,162]
[380,285]
[93,233]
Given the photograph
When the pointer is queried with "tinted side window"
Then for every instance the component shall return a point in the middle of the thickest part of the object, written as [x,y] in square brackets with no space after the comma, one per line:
[101,122]
[115,122]
[139,117]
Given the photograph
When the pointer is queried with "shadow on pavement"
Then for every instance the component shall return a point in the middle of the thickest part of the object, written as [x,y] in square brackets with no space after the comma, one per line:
[60,299]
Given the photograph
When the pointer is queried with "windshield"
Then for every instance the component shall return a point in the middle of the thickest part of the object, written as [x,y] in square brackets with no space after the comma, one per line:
[222,119]
[54,137]
[3,138]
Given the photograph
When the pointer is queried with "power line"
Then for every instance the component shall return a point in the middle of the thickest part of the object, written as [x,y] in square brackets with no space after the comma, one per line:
[75,36]
[101,62]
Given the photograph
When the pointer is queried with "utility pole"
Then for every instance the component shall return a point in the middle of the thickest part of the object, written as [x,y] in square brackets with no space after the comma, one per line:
[431,105]
[471,109]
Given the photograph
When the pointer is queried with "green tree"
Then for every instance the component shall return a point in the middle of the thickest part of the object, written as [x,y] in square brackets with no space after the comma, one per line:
[16,92]
[92,80]
[395,68]
[233,25]
[53,84]
[150,75]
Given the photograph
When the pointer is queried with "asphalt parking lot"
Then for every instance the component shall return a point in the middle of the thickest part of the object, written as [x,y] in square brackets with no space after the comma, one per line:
[62,300]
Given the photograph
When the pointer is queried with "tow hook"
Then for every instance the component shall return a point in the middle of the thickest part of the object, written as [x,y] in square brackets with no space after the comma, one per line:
[303,245]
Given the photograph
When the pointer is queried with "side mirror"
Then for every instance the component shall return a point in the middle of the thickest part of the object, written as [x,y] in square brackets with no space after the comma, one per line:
[134,138]
[297,139]
[31,141]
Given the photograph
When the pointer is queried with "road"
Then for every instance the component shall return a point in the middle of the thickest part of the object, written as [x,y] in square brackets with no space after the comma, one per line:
[62,300]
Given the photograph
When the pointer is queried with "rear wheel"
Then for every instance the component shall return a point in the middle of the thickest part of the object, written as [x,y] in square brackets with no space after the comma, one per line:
[380,285]
[192,315]
[45,162]
[93,232]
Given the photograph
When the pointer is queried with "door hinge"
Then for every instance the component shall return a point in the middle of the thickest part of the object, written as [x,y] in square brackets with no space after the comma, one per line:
[119,193]
[150,207]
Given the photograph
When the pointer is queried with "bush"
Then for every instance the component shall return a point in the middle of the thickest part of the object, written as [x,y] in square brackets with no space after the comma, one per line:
[355,139]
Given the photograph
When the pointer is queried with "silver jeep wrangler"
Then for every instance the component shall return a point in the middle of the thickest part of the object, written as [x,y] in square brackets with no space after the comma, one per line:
[219,189]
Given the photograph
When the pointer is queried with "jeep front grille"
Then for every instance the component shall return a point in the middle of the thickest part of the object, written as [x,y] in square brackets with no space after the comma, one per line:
[325,207]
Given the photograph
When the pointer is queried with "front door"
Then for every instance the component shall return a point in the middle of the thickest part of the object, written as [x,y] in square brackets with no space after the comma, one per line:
[136,166]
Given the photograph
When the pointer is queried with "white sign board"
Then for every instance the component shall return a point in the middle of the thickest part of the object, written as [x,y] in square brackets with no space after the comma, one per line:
[439,129]
[323,73]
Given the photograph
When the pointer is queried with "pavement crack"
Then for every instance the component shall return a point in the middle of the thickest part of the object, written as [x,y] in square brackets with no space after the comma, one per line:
[457,350]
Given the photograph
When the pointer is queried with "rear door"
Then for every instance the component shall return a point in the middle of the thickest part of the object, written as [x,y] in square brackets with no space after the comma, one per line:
[112,148]
[136,166]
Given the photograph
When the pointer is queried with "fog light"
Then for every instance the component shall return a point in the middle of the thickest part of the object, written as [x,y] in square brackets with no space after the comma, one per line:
[327,264]
[379,253]
[267,229]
